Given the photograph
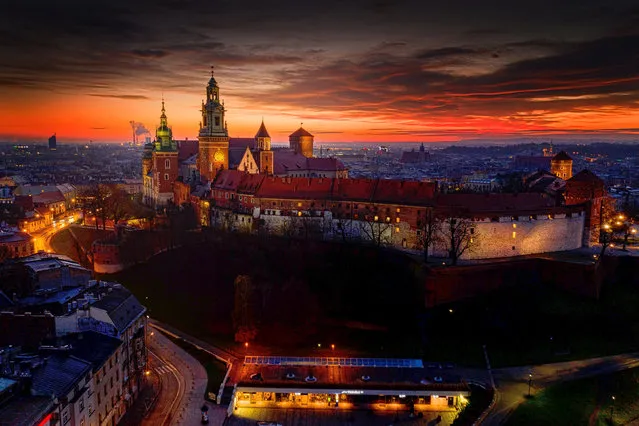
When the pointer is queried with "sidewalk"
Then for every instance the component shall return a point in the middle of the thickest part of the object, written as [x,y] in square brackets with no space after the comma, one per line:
[194,380]
[138,410]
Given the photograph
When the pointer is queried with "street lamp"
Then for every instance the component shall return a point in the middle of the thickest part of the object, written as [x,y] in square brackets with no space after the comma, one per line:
[529,383]
[612,408]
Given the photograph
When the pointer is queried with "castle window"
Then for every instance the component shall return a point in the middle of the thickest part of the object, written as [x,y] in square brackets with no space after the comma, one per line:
[397,229]
[472,231]
[398,210]
[397,220]
[167,164]
[514,226]
[514,234]
[217,121]
[166,176]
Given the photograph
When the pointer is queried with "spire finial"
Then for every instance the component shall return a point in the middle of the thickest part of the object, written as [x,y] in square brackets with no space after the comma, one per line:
[301,123]
[212,70]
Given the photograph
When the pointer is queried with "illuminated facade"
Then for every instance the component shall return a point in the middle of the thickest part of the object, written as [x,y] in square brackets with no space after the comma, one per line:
[301,142]
[561,165]
[213,137]
[341,383]
[391,213]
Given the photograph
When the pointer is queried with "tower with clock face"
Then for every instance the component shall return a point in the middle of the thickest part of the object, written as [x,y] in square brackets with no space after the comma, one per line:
[213,137]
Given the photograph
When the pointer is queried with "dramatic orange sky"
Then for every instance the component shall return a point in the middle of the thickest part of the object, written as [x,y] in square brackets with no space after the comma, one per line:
[349,70]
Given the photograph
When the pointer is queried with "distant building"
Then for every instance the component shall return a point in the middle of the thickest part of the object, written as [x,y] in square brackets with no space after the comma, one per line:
[415,157]
[531,163]
[14,243]
[53,143]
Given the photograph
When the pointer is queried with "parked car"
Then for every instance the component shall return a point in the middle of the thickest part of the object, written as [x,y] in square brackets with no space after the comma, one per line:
[438,379]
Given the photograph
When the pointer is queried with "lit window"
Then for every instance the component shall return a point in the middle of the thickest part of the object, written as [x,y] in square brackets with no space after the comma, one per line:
[514,234]
[376,218]
[398,210]
[514,226]
[397,220]
[397,229]
[166,176]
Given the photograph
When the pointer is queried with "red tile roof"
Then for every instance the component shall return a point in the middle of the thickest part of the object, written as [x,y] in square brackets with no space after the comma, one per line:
[586,176]
[250,183]
[48,197]
[228,180]
[187,148]
[404,192]
[354,189]
[295,188]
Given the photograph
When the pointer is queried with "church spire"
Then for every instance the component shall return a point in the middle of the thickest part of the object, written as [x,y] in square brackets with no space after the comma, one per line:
[163,121]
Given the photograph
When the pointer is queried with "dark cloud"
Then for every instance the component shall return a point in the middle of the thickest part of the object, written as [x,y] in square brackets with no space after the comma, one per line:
[150,53]
[387,58]
[131,97]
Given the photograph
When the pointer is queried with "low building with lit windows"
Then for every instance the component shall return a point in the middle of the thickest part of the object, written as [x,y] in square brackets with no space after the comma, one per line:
[346,383]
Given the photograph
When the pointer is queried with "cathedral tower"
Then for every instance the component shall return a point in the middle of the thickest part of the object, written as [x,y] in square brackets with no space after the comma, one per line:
[213,138]
[263,143]
[164,163]
[301,141]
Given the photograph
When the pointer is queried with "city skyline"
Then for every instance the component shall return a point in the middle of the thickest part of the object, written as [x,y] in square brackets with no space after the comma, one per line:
[351,72]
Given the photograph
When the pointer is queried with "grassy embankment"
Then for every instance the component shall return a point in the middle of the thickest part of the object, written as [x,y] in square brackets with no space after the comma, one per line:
[307,292]
[579,402]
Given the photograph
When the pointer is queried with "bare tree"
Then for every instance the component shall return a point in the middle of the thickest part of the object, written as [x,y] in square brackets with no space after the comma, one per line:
[459,235]
[342,224]
[428,231]
[95,201]
[288,227]
[244,309]
[377,229]
[117,204]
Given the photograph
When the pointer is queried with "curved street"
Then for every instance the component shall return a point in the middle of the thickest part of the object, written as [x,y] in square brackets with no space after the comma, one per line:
[183,384]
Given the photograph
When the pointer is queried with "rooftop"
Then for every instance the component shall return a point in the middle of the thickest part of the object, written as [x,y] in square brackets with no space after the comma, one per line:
[93,347]
[58,375]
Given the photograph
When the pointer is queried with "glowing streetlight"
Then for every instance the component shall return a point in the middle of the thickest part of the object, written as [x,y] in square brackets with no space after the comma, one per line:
[529,383]
[333,347]
[612,408]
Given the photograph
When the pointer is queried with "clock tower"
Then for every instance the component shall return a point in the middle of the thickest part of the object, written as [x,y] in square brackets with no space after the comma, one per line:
[213,137]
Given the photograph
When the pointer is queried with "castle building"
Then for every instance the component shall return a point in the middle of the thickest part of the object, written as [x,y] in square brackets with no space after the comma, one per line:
[301,142]
[213,139]
[561,165]
[390,213]
[589,191]
[296,161]
[161,169]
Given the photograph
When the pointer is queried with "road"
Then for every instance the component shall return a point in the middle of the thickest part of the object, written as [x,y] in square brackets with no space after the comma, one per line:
[512,383]
[184,383]
[42,238]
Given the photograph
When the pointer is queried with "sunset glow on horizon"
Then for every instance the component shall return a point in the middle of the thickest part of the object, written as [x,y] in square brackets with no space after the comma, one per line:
[359,74]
